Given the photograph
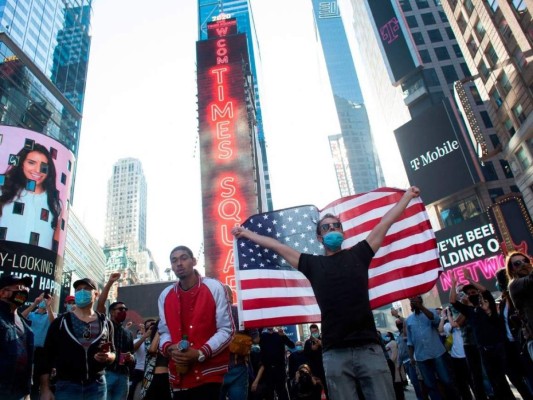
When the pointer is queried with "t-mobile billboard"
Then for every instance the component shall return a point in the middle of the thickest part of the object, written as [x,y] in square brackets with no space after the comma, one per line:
[229,189]
[395,40]
[469,246]
[434,154]
[35,181]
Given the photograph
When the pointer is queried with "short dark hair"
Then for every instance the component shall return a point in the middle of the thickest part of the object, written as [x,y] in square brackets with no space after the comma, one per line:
[113,305]
[313,326]
[183,248]
[328,215]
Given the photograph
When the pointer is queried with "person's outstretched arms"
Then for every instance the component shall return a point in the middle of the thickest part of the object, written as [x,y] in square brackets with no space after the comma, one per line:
[376,236]
[100,304]
[288,253]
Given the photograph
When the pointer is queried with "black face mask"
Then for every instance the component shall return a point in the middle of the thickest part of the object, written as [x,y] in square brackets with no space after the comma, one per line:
[18,297]
[474,299]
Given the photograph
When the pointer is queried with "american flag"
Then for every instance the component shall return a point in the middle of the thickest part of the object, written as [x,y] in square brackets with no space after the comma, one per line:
[272,293]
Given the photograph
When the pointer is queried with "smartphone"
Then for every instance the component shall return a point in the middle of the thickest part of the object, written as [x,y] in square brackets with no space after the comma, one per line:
[105,347]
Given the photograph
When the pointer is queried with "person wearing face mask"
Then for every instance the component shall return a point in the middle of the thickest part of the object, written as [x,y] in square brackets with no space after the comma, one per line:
[313,352]
[351,352]
[117,374]
[16,339]
[79,345]
[70,303]
[296,358]
[40,314]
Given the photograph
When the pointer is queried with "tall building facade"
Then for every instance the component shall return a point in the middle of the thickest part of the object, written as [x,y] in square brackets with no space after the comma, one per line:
[355,158]
[45,50]
[434,128]
[210,10]
[125,229]
[496,38]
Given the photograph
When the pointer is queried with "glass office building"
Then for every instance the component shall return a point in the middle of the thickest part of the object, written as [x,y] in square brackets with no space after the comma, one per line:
[44,50]
[354,156]
[208,10]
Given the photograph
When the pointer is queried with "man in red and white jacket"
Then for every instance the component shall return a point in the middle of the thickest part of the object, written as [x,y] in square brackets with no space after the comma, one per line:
[199,308]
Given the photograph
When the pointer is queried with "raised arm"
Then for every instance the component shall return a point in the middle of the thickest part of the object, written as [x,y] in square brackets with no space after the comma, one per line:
[100,305]
[288,253]
[376,236]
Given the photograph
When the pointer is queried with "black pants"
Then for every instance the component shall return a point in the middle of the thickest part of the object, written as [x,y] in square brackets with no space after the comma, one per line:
[473,359]
[462,377]
[275,379]
[136,376]
[209,391]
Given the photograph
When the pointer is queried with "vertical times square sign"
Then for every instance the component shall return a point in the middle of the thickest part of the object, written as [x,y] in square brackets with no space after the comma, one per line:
[229,189]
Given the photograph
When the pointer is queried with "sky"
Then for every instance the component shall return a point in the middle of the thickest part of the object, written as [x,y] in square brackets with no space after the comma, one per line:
[141,102]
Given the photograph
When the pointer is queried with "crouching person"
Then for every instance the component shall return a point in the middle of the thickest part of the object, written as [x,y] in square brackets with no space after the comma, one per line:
[79,345]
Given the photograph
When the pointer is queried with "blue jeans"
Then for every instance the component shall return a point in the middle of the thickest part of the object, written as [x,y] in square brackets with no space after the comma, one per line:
[117,385]
[66,390]
[235,384]
[364,364]
[438,367]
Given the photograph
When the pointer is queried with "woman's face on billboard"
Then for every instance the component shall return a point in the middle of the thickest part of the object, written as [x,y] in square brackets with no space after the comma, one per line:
[35,168]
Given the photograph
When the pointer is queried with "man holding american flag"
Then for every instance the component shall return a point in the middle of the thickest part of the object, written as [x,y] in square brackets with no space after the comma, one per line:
[340,283]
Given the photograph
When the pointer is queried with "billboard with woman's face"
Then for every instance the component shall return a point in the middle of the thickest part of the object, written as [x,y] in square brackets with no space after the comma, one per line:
[35,186]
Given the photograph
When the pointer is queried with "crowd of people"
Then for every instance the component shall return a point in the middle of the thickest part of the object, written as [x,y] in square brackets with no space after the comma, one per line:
[195,350]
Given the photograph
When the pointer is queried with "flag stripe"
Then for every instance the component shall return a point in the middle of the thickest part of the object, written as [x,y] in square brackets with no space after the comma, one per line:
[270,294]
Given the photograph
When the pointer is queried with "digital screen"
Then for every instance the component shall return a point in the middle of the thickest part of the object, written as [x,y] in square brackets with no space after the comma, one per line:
[400,59]
[434,154]
[229,189]
[222,27]
[35,187]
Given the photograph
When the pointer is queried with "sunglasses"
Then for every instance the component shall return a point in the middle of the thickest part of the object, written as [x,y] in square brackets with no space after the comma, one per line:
[120,309]
[326,227]
[519,263]
[87,332]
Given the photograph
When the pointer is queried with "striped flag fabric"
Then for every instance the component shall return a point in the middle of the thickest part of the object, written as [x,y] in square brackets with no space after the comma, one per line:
[272,293]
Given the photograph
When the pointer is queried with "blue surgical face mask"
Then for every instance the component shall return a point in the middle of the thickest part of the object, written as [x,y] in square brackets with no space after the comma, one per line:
[42,304]
[299,348]
[83,298]
[385,338]
[69,307]
[256,348]
[333,240]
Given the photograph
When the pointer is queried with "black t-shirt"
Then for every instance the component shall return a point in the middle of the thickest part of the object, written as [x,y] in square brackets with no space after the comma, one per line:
[340,283]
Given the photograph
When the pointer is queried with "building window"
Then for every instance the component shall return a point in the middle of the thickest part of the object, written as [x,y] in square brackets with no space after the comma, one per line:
[519,58]
[475,95]
[491,55]
[465,69]
[418,38]
[411,21]
[469,6]
[520,6]
[424,55]
[460,211]
[443,16]
[495,193]
[515,189]
[431,77]
[486,119]
[489,172]
[450,74]
[449,32]
[422,4]
[509,126]
[519,112]
[428,19]
[506,168]
[462,23]
[480,30]
[442,53]
[494,139]
[406,5]
[435,35]
[457,51]
[523,159]
[493,4]
[495,95]
[504,83]
[483,70]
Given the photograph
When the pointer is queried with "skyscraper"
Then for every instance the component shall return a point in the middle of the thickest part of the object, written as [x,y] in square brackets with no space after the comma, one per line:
[209,10]
[125,230]
[357,146]
[45,49]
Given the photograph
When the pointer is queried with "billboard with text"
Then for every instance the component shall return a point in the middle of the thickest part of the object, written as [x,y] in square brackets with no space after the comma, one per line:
[35,187]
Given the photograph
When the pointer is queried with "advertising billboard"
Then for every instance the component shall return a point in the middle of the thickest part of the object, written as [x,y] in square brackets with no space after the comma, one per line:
[471,245]
[229,178]
[35,183]
[400,56]
[431,146]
